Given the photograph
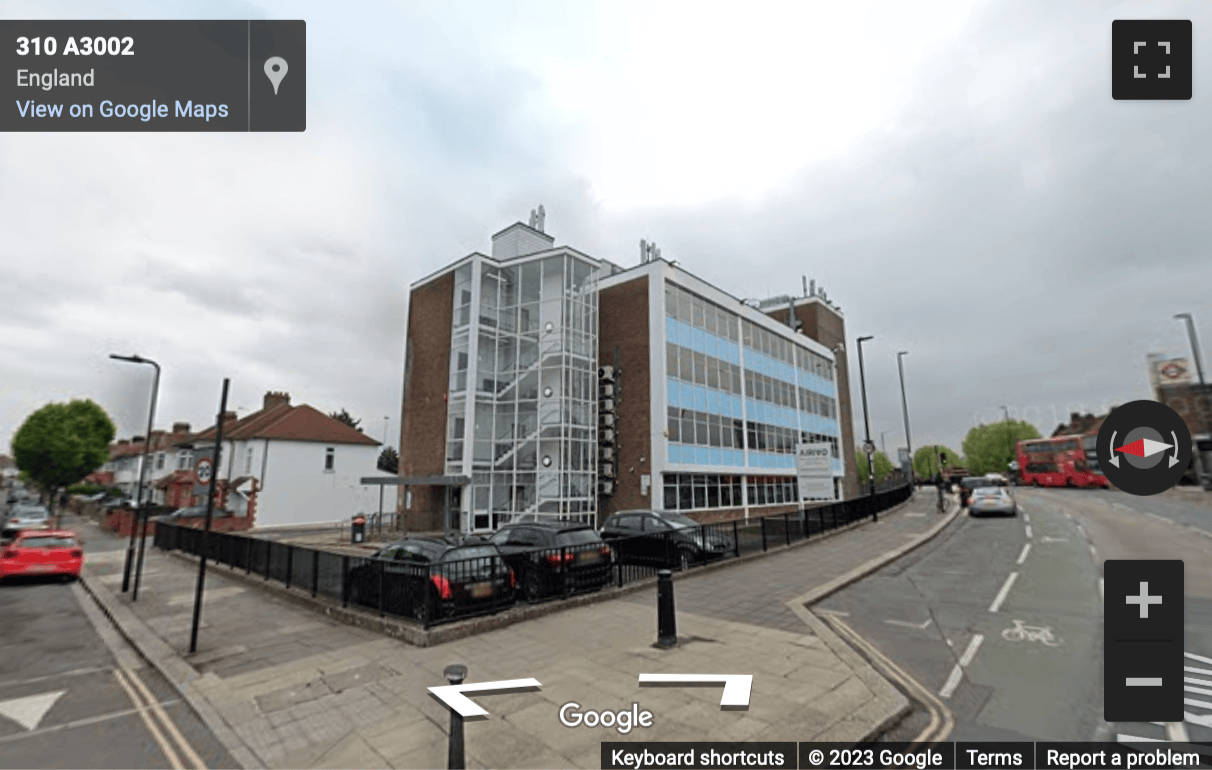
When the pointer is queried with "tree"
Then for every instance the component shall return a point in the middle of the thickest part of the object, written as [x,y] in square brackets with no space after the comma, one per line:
[60,444]
[990,448]
[389,460]
[925,460]
[345,417]
[883,466]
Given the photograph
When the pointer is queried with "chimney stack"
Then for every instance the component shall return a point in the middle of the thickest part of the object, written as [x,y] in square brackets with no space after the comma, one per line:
[274,399]
[180,427]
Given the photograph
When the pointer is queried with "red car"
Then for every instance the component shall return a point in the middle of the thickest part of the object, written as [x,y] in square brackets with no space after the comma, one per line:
[46,552]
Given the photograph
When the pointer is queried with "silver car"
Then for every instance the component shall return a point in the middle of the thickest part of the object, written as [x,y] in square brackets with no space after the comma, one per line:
[992,501]
[22,517]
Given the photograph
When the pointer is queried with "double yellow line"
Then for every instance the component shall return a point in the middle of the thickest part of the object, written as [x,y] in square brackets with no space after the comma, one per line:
[178,751]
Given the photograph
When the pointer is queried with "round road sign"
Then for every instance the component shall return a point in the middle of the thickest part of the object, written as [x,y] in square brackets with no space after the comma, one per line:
[203,470]
[869,447]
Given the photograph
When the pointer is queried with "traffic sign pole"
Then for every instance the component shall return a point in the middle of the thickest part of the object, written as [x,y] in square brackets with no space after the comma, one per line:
[210,502]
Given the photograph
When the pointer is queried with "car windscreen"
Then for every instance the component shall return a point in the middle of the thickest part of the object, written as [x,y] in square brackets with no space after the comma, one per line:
[477,552]
[48,542]
[32,513]
[678,520]
[972,482]
[989,492]
[578,537]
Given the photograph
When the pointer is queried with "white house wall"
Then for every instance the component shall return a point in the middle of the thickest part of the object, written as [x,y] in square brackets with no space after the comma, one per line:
[297,490]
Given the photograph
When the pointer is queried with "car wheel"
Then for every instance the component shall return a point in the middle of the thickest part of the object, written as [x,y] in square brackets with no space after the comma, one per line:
[532,587]
[423,610]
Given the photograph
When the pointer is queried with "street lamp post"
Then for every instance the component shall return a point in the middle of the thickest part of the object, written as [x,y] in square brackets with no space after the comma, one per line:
[884,442]
[867,421]
[151,416]
[900,364]
[1009,437]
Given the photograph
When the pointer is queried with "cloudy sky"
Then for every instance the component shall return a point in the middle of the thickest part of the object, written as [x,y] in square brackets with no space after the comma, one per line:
[955,174]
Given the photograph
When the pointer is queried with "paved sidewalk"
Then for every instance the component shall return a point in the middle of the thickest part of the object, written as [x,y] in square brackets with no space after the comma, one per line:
[283,686]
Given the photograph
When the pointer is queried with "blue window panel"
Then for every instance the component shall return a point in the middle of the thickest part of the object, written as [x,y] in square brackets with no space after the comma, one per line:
[696,340]
[674,451]
[736,407]
[671,329]
[685,395]
[700,398]
[700,455]
[672,392]
[716,456]
[713,402]
[683,335]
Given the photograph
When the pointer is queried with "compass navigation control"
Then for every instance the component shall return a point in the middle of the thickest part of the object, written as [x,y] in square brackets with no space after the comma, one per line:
[1147,447]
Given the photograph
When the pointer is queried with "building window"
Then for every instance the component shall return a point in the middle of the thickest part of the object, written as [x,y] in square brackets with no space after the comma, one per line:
[701,491]
[160,461]
[248,460]
[329,458]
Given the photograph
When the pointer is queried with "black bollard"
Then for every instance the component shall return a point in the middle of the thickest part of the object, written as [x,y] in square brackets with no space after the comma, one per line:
[455,674]
[667,628]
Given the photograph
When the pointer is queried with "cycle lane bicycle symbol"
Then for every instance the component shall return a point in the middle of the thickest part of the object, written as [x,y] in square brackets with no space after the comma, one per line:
[1021,632]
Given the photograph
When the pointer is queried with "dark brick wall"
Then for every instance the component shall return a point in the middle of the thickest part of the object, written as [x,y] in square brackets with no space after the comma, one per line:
[423,411]
[828,328]
[623,322]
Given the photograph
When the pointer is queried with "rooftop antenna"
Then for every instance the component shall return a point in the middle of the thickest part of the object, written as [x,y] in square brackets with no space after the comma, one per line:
[805,285]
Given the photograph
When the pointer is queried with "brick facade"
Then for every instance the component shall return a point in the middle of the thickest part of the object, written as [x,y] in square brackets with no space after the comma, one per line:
[423,410]
[624,319]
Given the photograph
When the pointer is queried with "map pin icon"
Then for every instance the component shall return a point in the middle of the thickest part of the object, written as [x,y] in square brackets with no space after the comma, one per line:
[275,70]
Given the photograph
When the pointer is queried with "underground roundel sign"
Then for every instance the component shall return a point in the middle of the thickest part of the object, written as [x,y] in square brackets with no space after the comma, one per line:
[204,469]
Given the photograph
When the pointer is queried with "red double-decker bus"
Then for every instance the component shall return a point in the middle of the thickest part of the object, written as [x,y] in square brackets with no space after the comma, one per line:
[1062,461]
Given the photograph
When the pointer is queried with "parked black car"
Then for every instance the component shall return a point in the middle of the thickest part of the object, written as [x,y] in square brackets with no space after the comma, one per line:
[554,558]
[664,539]
[427,578]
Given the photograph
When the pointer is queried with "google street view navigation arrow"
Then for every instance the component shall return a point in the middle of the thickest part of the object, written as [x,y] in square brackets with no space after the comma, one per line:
[452,694]
[737,687]
[1145,447]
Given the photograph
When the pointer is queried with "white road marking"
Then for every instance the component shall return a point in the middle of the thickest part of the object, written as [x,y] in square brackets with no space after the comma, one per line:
[1198,703]
[1022,557]
[29,711]
[1100,589]
[914,515]
[79,723]
[1001,595]
[906,624]
[1048,539]
[1200,658]
[1124,738]
[1093,552]
[1123,507]
[75,672]
[957,673]
[835,612]
[1162,519]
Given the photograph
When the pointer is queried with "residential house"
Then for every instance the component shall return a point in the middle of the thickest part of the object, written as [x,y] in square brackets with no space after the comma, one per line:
[290,464]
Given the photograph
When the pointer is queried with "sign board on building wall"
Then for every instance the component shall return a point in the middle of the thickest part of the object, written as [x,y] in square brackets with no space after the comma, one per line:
[814,471]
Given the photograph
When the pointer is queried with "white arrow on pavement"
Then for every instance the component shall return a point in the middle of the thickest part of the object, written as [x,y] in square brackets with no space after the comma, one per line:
[737,687]
[28,711]
[452,694]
